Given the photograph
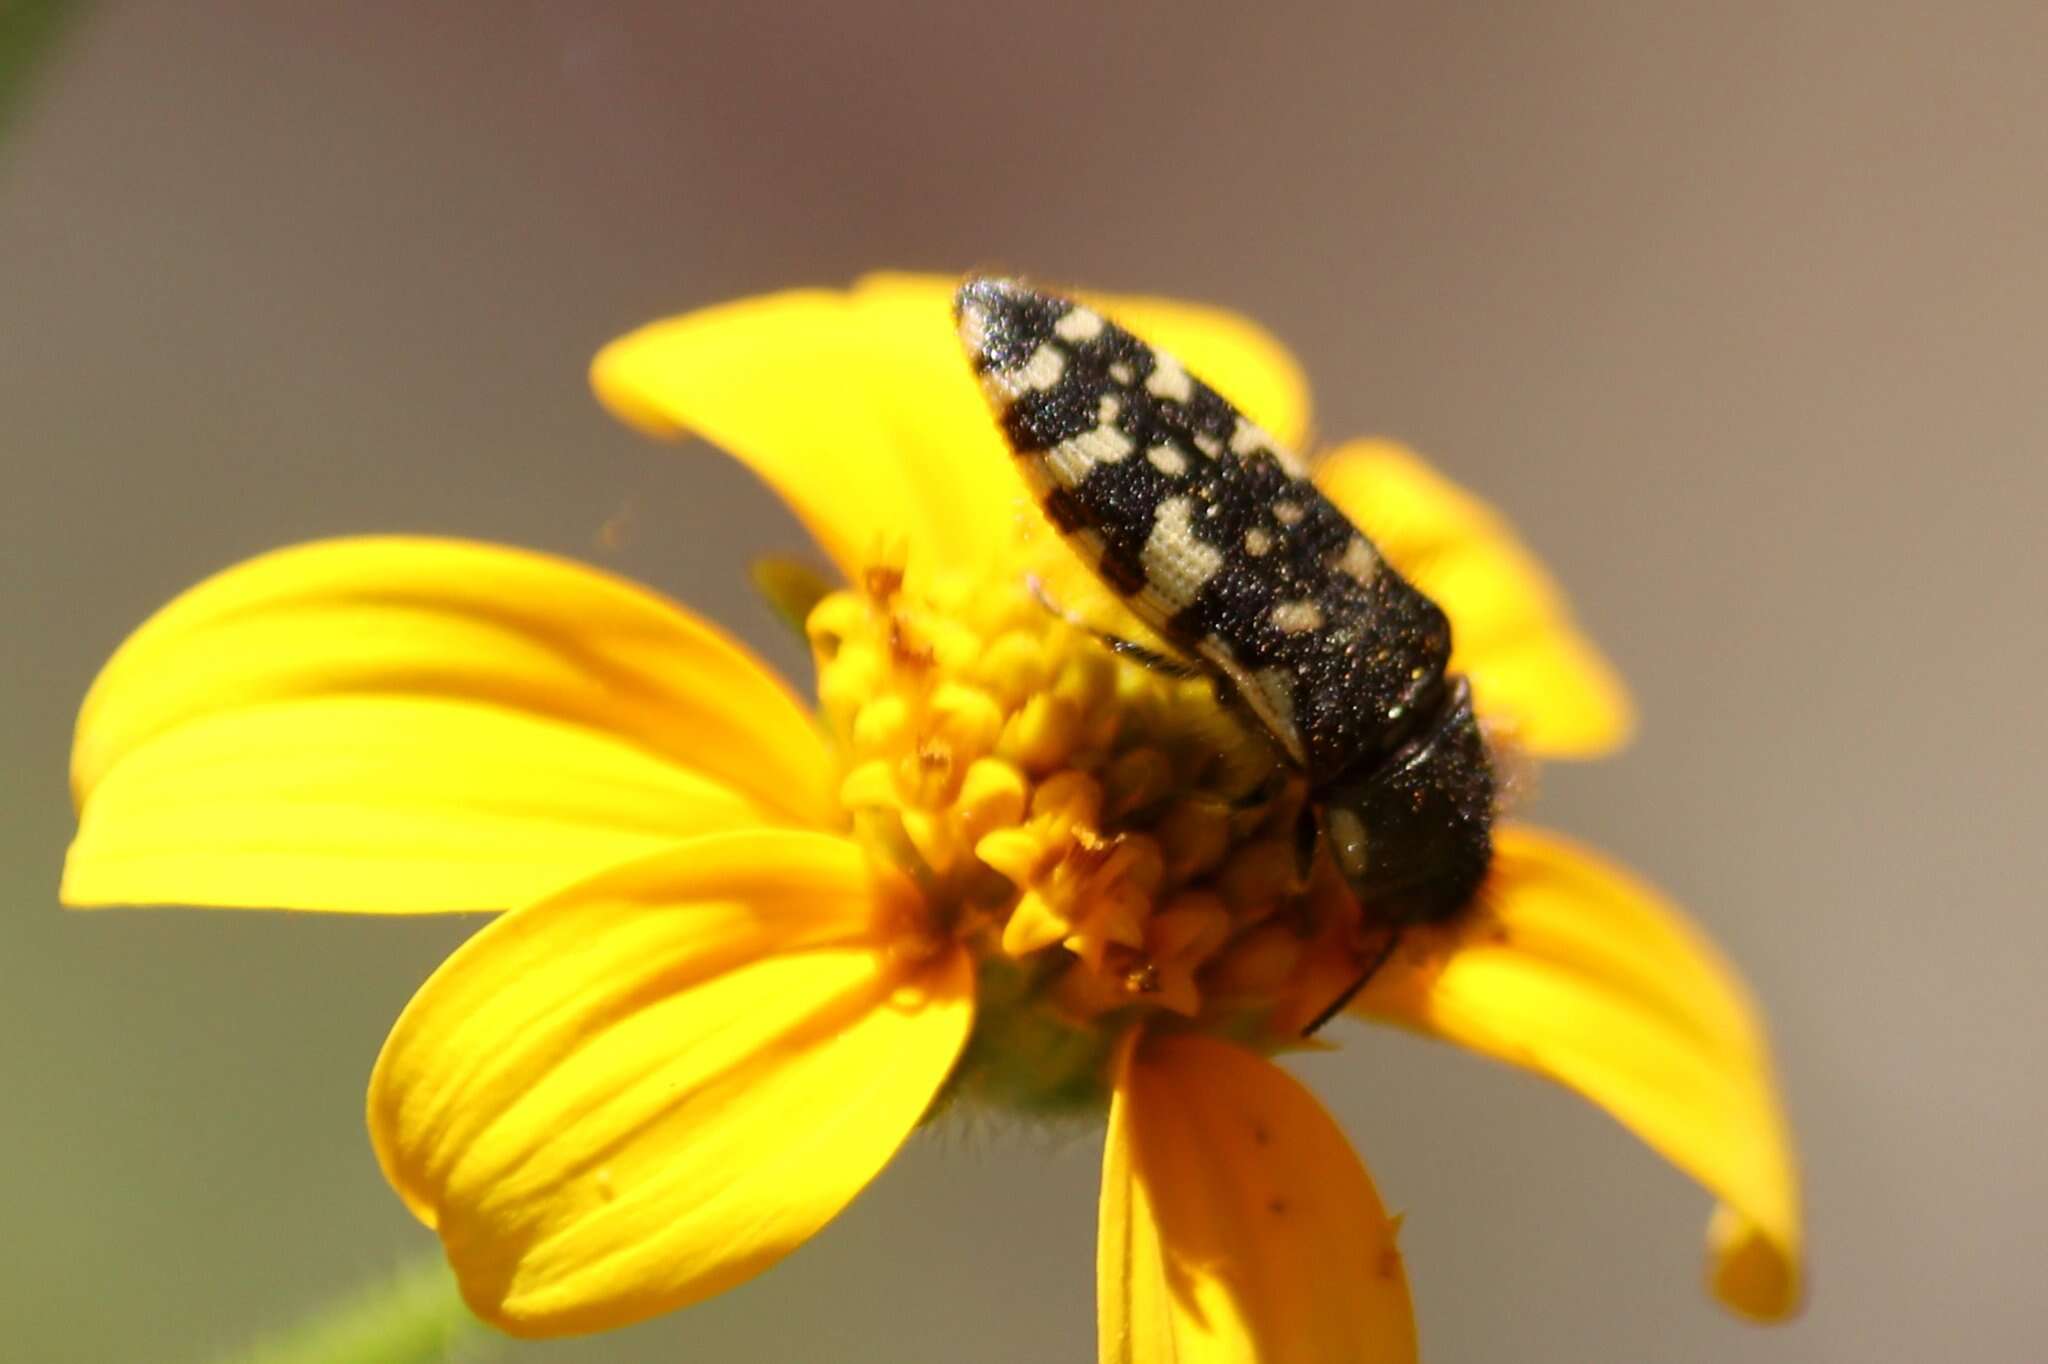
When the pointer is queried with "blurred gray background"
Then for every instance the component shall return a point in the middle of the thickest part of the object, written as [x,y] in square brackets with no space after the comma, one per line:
[1741,315]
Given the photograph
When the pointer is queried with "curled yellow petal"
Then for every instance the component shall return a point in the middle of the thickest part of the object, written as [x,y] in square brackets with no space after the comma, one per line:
[1238,1227]
[657,1084]
[1578,972]
[798,386]
[1512,633]
[859,409]
[407,724]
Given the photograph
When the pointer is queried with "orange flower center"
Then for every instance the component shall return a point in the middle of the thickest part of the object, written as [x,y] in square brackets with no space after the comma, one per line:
[1107,839]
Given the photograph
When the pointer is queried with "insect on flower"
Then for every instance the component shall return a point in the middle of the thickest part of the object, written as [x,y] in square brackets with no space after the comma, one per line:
[749,944]
[1214,537]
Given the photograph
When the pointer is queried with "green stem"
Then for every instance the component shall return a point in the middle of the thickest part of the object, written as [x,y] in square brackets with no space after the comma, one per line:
[413,1316]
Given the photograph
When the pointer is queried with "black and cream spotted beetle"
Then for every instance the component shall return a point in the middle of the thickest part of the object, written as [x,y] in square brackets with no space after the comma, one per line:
[1216,539]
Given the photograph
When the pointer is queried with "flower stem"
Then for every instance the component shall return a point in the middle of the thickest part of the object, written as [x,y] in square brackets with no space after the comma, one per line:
[411,1316]
[26,30]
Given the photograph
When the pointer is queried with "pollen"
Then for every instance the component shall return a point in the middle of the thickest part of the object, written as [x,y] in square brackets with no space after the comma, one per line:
[1103,836]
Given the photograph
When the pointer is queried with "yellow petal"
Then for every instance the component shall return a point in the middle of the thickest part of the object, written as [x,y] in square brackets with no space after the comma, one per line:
[859,409]
[1512,632]
[1580,973]
[398,724]
[661,1082]
[376,804]
[1238,1227]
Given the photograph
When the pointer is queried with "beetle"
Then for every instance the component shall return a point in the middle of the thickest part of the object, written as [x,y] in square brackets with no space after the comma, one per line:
[1213,535]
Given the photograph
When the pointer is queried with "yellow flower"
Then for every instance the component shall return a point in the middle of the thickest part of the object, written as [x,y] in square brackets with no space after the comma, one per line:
[751,947]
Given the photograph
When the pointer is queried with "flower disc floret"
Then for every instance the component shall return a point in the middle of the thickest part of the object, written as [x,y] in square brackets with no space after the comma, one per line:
[1099,831]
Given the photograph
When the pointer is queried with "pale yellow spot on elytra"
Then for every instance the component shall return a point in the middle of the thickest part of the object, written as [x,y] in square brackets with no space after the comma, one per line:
[974,329]
[1071,460]
[1297,617]
[1177,564]
[1080,324]
[1043,369]
[1168,460]
[1359,560]
[1169,380]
